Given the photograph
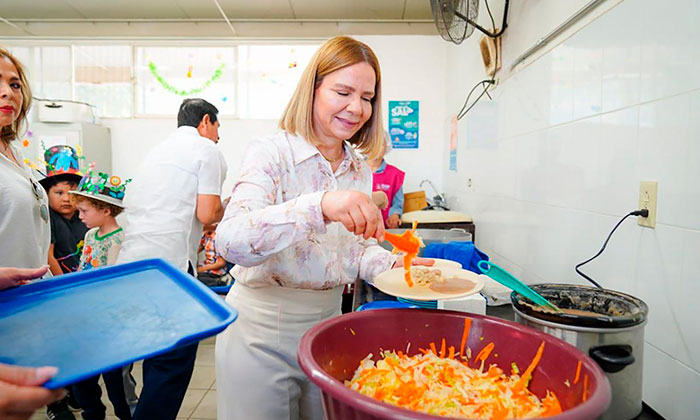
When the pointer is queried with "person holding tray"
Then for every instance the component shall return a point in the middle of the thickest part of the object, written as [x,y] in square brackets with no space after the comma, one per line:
[25,230]
[300,225]
[25,235]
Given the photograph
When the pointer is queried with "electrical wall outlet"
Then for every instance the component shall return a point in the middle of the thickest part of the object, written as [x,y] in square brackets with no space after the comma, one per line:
[647,200]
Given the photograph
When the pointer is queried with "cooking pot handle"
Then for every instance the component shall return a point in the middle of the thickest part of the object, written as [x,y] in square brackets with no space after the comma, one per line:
[612,358]
[458,230]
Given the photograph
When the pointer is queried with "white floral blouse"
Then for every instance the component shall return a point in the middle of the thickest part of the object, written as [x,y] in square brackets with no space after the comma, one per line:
[273,227]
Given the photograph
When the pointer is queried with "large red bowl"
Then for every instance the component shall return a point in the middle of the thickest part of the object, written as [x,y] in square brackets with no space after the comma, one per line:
[331,351]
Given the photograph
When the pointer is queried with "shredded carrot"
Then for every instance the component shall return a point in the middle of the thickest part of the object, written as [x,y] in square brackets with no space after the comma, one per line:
[484,353]
[465,335]
[551,404]
[409,244]
[585,387]
[525,377]
[578,372]
[500,413]
[434,384]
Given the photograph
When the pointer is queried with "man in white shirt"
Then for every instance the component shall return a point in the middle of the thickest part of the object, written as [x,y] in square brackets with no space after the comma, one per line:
[176,191]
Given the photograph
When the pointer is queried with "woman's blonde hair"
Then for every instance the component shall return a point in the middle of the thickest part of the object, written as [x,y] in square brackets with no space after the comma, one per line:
[10,132]
[333,55]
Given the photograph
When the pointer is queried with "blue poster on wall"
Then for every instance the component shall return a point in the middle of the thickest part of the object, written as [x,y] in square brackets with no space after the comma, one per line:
[403,124]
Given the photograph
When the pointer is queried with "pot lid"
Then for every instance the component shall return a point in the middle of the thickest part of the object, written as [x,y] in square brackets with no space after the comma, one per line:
[584,306]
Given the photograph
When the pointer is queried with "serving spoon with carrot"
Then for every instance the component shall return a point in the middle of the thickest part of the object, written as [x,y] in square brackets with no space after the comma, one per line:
[409,244]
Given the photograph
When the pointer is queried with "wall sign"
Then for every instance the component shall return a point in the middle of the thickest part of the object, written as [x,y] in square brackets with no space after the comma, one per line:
[453,143]
[403,124]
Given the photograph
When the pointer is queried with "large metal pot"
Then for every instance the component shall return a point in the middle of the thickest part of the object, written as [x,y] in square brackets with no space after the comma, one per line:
[430,236]
[611,331]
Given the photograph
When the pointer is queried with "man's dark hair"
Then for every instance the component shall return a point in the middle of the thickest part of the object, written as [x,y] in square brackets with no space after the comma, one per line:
[193,110]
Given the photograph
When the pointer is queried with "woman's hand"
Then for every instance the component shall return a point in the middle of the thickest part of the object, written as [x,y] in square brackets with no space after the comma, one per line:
[21,392]
[10,277]
[393,221]
[427,262]
[356,211]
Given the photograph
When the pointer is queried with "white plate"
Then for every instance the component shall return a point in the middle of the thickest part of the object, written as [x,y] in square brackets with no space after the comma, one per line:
[440,263]
[392,282]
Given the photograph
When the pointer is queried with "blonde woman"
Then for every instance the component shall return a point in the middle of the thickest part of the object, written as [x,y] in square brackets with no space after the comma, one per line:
[300,225]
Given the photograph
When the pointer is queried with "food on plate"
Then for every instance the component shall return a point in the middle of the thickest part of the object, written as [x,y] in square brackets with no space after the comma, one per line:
[434,279]
[424,276]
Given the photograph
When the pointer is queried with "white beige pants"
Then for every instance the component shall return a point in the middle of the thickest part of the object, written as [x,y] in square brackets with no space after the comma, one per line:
[257,374]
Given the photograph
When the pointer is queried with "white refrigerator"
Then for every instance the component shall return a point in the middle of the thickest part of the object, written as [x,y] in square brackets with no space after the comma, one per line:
[94,141]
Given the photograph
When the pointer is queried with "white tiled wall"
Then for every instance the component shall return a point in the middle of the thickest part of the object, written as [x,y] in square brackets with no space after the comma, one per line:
[555,160]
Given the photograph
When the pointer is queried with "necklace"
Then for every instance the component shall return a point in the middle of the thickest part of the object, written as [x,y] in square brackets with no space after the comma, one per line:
[36,188]
[342,155]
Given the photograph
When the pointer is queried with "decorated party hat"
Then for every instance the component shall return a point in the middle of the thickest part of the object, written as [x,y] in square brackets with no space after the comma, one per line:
[61,160]
[101,186]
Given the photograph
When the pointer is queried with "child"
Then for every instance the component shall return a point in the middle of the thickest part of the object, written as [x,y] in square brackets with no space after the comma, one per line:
[211,270]
[99,201]
[67,231]
[388,179]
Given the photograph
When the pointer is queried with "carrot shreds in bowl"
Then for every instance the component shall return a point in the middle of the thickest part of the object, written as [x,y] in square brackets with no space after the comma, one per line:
[435,384]
[578,372]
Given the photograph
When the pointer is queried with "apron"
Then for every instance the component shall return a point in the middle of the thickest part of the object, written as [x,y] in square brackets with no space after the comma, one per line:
[257,374]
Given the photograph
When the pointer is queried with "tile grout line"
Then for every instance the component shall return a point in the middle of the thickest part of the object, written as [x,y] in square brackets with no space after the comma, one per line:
[197,405]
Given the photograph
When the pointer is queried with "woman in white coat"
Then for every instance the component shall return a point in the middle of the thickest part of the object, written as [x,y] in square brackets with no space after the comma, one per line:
[25,234]
[300,225]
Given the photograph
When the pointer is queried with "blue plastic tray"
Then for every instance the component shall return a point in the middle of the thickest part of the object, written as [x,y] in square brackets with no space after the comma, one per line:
[97,320]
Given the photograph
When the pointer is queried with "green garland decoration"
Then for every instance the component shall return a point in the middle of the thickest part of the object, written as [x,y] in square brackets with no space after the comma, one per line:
[167,86]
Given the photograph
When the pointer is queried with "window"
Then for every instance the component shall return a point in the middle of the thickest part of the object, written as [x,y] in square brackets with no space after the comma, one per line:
[24,55]
[122,81]
[103,78]
[167,75]
[55,74]
[268,77]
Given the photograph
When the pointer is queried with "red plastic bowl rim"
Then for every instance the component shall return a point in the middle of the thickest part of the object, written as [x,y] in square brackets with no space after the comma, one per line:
[338,390]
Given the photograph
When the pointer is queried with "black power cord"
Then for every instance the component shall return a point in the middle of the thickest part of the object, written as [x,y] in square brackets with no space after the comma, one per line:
[462,112]
[642,212]
[484,83]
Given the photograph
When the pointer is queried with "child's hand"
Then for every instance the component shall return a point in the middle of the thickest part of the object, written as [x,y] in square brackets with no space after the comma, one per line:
[11,277]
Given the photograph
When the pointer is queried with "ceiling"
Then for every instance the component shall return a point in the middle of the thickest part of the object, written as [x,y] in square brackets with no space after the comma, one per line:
[213,18]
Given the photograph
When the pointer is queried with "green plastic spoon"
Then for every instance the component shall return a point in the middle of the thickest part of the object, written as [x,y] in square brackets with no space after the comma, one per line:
[505,278]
